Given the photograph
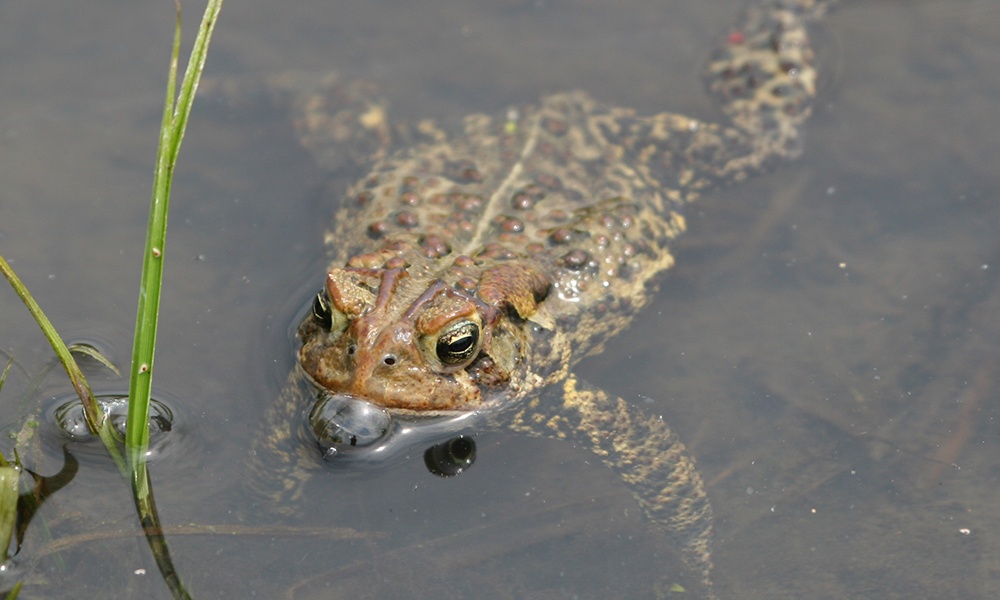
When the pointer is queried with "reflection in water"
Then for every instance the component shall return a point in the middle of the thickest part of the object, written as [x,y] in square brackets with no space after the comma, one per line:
[43,487]
[452,457]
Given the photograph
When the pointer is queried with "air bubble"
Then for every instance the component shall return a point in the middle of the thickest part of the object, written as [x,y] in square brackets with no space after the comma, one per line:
[69,418]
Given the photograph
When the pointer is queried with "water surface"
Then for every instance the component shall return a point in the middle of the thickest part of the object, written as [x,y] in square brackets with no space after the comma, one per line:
[827,344]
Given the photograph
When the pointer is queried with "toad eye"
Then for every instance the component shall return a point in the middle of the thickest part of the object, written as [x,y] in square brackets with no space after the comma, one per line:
[322,312]
[458,344]
[327,315]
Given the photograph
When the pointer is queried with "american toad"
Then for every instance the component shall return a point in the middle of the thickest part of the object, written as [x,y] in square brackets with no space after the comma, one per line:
[472,267]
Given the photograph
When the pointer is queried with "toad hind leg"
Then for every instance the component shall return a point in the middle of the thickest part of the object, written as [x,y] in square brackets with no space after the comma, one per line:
[645,452]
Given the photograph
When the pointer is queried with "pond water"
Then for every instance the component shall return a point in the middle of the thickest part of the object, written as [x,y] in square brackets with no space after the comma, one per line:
[827,345]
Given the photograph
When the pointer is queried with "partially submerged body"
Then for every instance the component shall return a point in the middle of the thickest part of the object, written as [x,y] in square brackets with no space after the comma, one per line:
[472,269]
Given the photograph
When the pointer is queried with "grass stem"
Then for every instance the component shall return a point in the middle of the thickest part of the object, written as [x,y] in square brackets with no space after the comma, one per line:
[176,110]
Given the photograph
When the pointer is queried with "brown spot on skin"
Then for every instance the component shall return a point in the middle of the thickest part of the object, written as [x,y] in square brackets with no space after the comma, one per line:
[522,201]
[496,251]
[396,262]
[535,191]
[464,261]
[575,260]
[434,246]
[463,171]
[377,229]
[409,198]
[511,225]
[471,204]
[549,181]
[561,236]
[558,215]
[407,218]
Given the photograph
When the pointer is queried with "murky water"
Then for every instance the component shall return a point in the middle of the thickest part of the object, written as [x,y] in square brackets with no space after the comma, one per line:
[827,344]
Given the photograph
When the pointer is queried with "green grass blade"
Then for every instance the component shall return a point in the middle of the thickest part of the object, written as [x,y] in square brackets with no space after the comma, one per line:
[95,416]
[75,375]
[14,591]
[175,117]
[192,75]
[147,313]
[9,478]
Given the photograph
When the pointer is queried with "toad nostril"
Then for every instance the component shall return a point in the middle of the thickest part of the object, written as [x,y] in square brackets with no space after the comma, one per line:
[388,360]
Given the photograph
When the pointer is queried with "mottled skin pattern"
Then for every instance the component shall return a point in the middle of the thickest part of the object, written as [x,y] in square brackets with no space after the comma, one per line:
[471,269]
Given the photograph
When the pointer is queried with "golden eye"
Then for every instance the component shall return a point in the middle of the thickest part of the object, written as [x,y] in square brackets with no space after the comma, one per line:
[458,344]
[322,312]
